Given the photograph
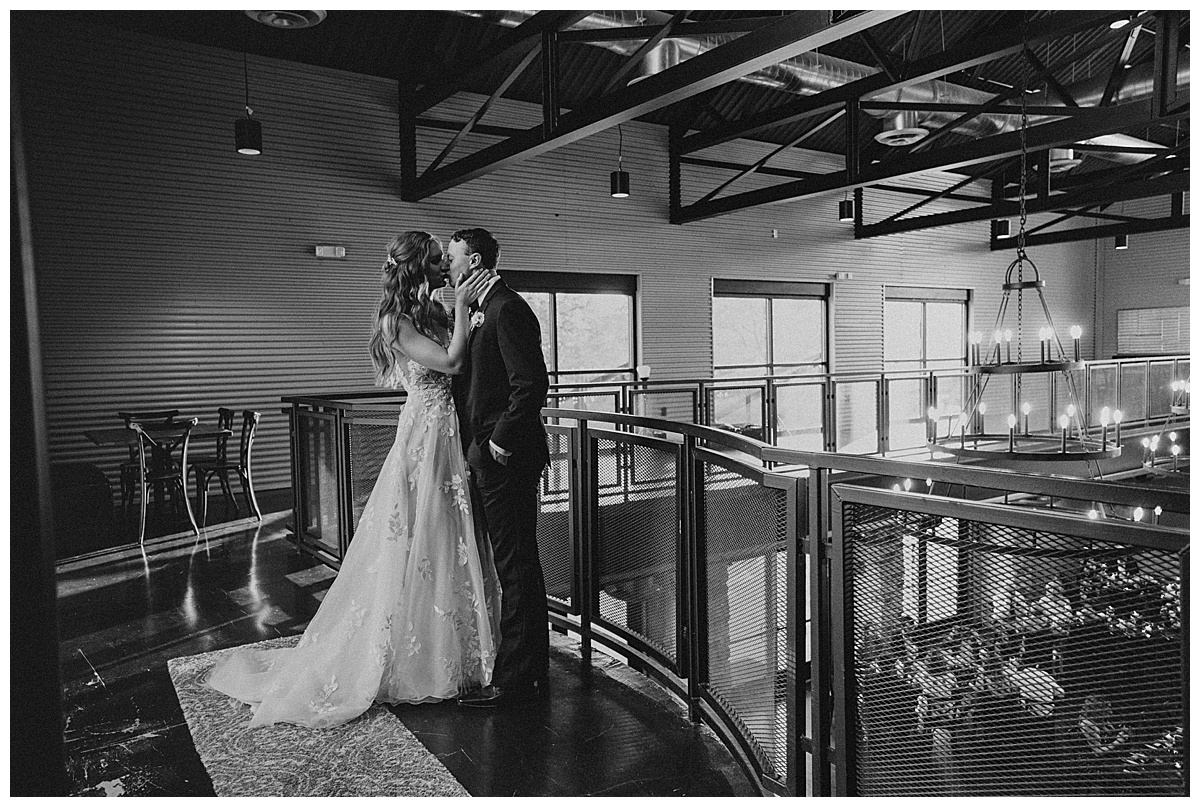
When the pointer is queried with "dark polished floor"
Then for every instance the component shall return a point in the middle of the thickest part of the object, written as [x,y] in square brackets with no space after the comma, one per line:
[602,730]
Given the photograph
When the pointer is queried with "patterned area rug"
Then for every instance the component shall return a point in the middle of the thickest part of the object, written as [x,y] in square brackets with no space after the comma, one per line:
[374,755]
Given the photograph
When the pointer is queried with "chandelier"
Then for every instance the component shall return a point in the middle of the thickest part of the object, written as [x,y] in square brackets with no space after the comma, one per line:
[1072,441]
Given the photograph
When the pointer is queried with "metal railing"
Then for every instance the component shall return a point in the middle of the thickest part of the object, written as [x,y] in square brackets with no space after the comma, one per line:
[726,569]
[765,585]
[881,413]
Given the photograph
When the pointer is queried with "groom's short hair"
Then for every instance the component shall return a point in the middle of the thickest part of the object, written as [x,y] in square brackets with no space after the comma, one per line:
[480,240]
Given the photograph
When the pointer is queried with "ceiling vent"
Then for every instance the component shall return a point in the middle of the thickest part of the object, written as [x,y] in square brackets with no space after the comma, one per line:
[901,129]
[1062,160]
[287,19]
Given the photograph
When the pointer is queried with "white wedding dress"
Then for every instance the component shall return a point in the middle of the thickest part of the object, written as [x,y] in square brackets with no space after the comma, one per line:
[413,614]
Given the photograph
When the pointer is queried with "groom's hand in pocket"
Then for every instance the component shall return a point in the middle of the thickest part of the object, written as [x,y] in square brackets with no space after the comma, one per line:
[498,454]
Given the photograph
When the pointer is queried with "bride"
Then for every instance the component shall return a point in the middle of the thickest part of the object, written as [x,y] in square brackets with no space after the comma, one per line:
[412,615]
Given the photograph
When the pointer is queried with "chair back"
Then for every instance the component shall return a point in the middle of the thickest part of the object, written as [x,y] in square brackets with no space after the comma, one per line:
[150,416]
[224,421]
[250,420]
[155,448]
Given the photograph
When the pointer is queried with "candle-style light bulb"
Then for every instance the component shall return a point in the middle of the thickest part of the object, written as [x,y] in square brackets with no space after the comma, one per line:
[1104,413]
[932,412]
[896,488]
[1071,410]
[1012,421]
[1104,416]
[928,483]
[982,408]
[1138,513]
[1064,422]
[1117,415]
[998,336]
[1175,449]
[1012,432]
[1093,514]
[1076,332]
[1026,408]
[1172,436]
[907,485]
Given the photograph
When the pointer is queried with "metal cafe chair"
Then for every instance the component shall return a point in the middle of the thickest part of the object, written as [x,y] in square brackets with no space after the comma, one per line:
[157,465]
[129,470]
[221,465]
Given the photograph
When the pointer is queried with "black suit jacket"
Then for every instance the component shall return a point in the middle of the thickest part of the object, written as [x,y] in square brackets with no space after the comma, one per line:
[502,389]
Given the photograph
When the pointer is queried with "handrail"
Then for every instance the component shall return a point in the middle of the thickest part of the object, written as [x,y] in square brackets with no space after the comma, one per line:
[993,478]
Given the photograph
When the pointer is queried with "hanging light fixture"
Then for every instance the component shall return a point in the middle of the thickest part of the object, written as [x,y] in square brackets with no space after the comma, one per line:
[1122,241]
[247,132]
[619,179]
[967,435]
[846,209]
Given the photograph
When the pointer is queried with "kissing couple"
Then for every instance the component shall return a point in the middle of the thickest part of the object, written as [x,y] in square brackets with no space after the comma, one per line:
[440,594]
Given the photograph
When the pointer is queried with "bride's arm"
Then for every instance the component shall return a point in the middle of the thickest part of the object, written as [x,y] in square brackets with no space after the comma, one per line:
[423,350]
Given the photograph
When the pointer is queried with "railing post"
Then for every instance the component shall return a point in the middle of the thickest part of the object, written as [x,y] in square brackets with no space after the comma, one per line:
[582,499]
[829,415]
[794,619]
[698,581]
[818,608]
[770,427]
[883,417]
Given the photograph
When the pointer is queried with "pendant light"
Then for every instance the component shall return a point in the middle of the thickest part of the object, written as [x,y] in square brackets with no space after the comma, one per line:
[247,132]
[619,179]
[846,209]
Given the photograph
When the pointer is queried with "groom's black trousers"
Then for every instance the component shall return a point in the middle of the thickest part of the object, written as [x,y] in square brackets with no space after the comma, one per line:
[505,504]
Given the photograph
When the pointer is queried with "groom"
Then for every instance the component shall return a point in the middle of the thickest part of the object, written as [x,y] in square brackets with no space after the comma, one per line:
[500,395]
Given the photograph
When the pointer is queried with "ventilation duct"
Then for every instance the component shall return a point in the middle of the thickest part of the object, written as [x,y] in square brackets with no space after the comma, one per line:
[813,72]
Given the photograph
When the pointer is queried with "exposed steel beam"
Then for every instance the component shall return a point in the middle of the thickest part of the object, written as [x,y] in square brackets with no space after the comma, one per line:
[796,33]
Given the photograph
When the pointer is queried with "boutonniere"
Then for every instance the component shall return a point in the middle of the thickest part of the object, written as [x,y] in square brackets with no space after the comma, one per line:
[476,320]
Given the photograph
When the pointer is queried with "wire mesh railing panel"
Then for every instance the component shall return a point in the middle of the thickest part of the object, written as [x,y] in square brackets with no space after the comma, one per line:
[750,662]
[369,444]
[990,660]
[637,544]
[554,520]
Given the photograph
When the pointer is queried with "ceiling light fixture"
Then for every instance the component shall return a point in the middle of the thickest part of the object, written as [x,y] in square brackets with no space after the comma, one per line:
[619,179]
[247,132]
[846,209]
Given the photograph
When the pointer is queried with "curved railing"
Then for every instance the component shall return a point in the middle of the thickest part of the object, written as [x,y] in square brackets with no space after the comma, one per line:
[760,583]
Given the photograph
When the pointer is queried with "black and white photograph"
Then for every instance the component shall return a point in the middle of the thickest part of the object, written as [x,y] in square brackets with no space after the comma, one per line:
[633,403]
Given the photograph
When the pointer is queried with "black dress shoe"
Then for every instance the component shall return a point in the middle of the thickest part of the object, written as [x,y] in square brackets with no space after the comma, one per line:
[492,696]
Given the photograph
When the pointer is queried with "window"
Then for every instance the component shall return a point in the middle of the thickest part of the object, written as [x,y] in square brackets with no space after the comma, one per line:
[581,317]
[924,329]
[768,328]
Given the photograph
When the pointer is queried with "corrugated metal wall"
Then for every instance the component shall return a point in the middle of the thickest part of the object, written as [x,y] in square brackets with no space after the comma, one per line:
[175,272]
[1146,275]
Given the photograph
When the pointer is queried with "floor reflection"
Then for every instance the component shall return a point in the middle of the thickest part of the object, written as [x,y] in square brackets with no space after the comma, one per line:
[123,616]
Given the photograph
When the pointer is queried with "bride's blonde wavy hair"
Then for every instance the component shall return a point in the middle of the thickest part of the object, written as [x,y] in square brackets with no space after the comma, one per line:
[406,292]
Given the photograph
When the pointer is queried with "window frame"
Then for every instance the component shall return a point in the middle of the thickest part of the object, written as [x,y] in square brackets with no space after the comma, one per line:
[926,295]
[771,290]
[555,283]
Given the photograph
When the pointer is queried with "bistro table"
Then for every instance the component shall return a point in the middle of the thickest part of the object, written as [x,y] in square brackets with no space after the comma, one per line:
[125,436]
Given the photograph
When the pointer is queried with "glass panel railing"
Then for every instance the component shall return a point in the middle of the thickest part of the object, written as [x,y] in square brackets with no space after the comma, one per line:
[1133,391]
[907,412]
[798,416]
[1101,391]
[737,409]
[1035,391]
[857,416]
[1162,373]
